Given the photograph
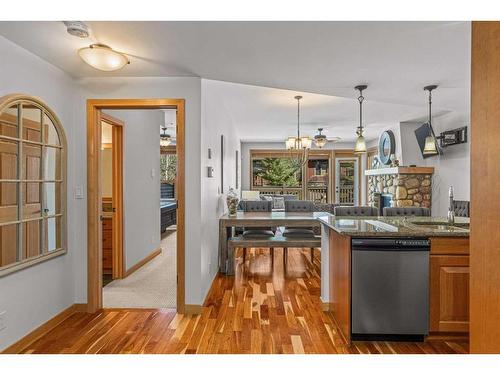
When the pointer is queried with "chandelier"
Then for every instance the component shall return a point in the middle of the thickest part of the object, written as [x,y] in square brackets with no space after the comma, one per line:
[299,145]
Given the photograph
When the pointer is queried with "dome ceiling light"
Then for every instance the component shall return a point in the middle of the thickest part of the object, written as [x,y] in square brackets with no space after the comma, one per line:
[103,57]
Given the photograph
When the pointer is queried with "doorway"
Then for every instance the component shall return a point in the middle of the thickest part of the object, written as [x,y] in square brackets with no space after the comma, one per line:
[95,115]
[347,181]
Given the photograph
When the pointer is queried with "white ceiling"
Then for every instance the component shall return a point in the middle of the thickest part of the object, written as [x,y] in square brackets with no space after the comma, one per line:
[395,59]
[266,114]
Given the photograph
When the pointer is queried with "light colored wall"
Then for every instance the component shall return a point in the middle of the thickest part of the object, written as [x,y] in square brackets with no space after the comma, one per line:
[188,88]
[34,295]
[450,168]
[216,121]
[141,182]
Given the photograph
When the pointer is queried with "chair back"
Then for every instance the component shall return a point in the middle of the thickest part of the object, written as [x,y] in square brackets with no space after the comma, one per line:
[461,208]
[257,206]
[407,211]
[355,211]
[299,206]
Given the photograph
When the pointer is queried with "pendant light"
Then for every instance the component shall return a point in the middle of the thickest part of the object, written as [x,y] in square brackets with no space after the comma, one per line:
[320,138]
[430,147]
[300,144]
[360,146]
[103,57]
[165,139]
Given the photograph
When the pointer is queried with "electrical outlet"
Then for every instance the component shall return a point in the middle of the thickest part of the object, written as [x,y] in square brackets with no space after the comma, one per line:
[3,323]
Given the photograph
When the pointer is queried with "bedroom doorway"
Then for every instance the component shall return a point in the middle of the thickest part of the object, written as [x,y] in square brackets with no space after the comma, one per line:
[95,114]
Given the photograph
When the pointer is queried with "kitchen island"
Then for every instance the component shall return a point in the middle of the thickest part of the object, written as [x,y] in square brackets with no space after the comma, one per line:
[441,281]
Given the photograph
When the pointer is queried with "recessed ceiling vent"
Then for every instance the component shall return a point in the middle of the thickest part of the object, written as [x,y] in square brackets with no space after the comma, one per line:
[77,28]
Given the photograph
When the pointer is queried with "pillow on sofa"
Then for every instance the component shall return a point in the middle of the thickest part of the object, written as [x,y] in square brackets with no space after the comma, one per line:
[278,203]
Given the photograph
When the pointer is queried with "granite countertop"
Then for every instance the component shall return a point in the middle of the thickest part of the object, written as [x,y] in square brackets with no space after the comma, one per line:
[396,226]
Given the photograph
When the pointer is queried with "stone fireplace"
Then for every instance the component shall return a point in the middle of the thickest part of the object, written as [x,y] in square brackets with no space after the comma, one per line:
[408,186]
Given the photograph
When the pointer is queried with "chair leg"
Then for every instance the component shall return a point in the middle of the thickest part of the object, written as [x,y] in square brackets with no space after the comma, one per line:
[312,254]
[285,256]
[272,256]
[244,254]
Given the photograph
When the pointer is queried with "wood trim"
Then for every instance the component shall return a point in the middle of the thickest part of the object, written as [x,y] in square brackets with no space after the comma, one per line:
[485,179]
[118,258]
[193,309]
[94,253]
[142,262]
[43,329]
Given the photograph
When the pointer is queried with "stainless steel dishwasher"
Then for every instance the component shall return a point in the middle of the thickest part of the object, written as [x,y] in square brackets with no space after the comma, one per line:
[390,288]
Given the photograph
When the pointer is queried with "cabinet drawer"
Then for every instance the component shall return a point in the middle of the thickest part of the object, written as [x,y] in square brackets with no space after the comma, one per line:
[107,259]
[450,245]
[107,223]
[107,239]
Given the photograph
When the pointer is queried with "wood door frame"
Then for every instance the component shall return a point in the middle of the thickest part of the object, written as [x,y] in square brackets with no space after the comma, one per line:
[94,234]
[118,258]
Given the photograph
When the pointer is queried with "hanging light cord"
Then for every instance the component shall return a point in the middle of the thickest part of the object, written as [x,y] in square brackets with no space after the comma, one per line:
[430,106]
[360,100]
[298,119]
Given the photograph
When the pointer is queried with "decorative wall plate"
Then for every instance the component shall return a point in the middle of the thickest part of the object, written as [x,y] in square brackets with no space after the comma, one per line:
[386,147]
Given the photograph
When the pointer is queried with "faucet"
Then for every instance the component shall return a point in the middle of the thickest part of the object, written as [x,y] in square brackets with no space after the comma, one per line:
[451,207]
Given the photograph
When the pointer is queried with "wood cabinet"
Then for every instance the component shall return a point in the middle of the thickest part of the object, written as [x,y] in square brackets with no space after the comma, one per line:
[449,285]
[107,246]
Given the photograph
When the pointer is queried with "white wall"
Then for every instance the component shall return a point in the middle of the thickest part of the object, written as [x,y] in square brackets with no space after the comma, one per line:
[141,182]
[450,168]
[188,88]
[216,121]
[34,295]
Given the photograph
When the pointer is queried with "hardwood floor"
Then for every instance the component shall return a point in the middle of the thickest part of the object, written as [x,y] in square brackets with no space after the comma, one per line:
[257,311]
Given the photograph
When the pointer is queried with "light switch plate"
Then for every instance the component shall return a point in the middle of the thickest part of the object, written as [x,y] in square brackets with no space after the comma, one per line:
[78,192]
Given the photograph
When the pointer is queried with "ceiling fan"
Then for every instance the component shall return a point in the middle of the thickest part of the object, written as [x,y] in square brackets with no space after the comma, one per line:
[321,139]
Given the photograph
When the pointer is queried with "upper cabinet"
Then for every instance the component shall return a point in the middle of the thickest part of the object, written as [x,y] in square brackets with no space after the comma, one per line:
[32,183]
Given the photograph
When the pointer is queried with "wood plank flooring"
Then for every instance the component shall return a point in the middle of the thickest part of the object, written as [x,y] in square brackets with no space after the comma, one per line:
[260,310]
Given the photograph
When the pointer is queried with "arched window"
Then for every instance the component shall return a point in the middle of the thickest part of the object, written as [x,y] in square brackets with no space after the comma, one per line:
[32,183]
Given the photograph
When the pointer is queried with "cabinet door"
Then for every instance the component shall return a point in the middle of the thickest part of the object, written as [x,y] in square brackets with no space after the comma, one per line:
[449,293]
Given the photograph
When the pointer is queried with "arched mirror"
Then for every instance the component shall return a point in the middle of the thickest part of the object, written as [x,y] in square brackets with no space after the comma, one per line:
[32,183]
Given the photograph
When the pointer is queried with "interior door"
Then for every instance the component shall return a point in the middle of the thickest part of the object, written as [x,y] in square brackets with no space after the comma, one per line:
[32,186]
[9,151]
[346,181]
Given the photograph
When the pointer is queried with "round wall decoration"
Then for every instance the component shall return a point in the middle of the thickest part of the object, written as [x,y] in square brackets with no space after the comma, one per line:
[386,147]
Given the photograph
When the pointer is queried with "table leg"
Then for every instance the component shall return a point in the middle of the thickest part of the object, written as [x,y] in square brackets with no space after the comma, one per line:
[224,234]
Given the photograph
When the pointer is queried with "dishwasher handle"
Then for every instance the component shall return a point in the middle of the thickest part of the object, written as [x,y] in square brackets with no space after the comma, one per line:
[395,244]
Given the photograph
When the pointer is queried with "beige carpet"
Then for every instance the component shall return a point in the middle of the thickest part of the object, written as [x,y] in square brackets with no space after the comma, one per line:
[151,286]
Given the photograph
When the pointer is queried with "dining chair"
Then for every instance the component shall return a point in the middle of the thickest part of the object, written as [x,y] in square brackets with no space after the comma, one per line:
[406,211]
[258,232]
[355,211]
[461,208]
[298,206]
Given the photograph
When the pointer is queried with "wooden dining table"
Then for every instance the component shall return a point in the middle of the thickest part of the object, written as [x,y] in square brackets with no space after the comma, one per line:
[227,224]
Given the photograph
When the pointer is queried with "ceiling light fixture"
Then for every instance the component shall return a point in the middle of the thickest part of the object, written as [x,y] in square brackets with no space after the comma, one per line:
[430,147]
[103,57]
[360,146]
[320,139]
[165,139]
[299,143]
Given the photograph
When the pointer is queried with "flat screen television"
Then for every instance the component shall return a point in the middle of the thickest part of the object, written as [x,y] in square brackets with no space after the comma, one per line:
[423,132]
